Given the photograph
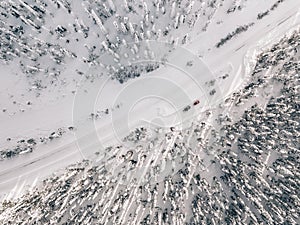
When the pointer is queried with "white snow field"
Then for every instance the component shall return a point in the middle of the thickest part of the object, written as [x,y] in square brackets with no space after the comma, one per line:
[137,112]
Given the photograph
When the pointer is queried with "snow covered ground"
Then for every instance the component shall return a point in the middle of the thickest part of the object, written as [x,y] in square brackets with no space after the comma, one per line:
[76,106]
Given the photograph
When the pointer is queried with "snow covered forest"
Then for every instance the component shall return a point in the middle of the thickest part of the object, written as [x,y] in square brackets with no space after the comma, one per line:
[149,112]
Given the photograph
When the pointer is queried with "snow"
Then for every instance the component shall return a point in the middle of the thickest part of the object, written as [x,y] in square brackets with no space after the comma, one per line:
[155,98]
